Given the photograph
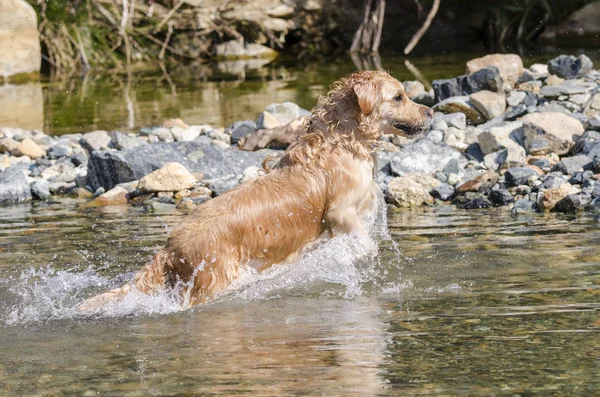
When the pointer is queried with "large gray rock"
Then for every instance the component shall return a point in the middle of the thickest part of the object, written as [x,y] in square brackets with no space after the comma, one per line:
[14,187]
[124,141]
[20,50]
[424,157]
[484,79]
[109,168]
[519,176]
[569,87]
[570,67]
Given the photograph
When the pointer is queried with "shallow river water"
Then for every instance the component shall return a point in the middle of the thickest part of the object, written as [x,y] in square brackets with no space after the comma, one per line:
[456,303]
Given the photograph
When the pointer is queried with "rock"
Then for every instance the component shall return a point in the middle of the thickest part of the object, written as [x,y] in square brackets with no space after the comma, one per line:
[279,114]
[455,138]
[551,197]
[404,192]
[571,165]
[460,104]
[484,79]
[458,120]
[97,140]
[81,193]
[550,132]
[539,68]
[14,187]
[40,190]
[553,80]
[580,99]
[232,49]
[512,113]
[475,203]
[29,148]
[523,207]
[569,87]
[60,172]
[569,67]
[171,123]
[116,196]
[8,145]
[184,134]
[594,123]
[510,66]
[508,134]
[20,50]
[122,141]
[533,87]
[169,178]
[550,181]
[489,104]
[109,168]
[593,107]
[573,202]
[162,134]
[519,176]
[500,197]
[242,129]
[482,183]
[443,192]
[515,98]
[58,151]
[423,157]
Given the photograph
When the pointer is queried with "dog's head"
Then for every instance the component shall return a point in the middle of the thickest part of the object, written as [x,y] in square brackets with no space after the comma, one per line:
[383,102]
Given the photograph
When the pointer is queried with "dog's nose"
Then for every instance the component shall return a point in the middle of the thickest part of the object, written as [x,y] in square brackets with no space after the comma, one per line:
[428,111]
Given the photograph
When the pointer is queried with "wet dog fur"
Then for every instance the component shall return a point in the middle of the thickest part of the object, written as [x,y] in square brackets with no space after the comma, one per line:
[322,186]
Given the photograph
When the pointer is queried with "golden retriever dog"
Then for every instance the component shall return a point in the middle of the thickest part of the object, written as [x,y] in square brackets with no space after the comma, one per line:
[322,186]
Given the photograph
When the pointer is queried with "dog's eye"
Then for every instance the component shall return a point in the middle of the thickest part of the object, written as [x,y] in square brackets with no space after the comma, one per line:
[398,98]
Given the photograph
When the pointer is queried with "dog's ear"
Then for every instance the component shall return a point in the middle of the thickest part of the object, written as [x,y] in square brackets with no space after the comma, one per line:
[366,93]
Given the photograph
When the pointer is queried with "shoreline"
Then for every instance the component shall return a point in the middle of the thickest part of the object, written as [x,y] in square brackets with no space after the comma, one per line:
[502,136]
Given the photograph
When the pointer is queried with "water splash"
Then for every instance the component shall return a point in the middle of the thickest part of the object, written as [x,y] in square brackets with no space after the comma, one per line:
[342,266]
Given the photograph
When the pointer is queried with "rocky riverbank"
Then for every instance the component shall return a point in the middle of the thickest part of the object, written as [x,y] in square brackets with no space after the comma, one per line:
[527,139]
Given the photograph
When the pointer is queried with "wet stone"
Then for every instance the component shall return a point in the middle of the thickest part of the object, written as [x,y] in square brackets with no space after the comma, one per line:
[443,192]
[523,206]
[573,202]
[40,190]
[500,197]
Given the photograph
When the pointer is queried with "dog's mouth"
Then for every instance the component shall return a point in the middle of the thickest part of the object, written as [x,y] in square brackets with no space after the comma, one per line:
[407,129]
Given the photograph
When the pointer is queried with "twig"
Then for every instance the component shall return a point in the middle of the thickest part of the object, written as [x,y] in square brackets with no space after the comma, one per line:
[161,55]
[415,40]
[417,73]
[169,15]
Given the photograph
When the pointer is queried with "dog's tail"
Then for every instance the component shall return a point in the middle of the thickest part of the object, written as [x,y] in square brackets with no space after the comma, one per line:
[151,279]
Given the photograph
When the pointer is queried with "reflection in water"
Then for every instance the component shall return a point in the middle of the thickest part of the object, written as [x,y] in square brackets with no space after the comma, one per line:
[22,106]
[216,94]
[475,303]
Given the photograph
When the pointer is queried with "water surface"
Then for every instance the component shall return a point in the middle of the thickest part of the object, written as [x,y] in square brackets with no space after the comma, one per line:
[473,303]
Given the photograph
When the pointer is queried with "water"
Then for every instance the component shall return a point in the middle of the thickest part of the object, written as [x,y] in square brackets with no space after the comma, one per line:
[216,94]
[453,303]
[457,303]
